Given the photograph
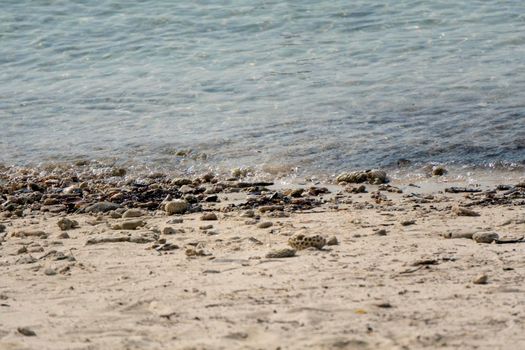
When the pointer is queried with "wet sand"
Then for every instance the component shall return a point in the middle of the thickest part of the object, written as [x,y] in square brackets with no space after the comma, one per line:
[392,281]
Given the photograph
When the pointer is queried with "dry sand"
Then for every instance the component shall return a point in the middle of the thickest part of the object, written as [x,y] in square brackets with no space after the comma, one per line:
[406,287]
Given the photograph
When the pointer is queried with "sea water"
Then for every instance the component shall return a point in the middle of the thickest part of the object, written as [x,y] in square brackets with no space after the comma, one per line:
[319,85]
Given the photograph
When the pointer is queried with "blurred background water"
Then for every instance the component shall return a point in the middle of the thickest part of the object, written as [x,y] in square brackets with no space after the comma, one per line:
[318,85]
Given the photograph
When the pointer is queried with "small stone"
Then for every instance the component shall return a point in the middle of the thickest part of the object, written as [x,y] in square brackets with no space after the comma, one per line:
[481,279]
[460,211]
[207,177]
[168,231]
[2,228]
[439,171]
[63,235]
[408,222]
[50,201]
[176,207]
[167,247]
[29,233]
[35,248]
[71,189]
[21,250]
[332,241]
[50,272]
[205,227]
[296,193]
[26,259]
[485,237]
[241,172]
[265,224]
[355,189]
[133,213]
[281,253]
[67,224]
[375,177]
[101,207]
[352,177]
[247,214]
[129,225]
[115,214]
[381,232]
[28,332]
[254,241]
[190,198]
[141,238]
[212,198]
[209,216]
[195,252]
[186,189]
[181,181]
[118,172]
[384,305]
[175,221]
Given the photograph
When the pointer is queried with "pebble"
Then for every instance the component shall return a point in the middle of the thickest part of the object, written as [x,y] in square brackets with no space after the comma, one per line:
[381,232]
[67,224]
[352,177]
[191,198]
[50,272]
[169,230]
[460,211]
[296,193]
[101,207]
[166,247]
[247,214]
[265,224]
[71,189]
[481,279]
[212,199]
[408,222]
[2,228]
[332,241]
[439,171]
[186,189]
[115,214]
[355,189]
[29,233]
[209,216]
[26,259]
[133,213]
[195,252]
[118,172]
[181,181]
[35,249]
[176,207]
[28,332]
[281,253]
[175,221]
[375,177]
[129,225]
[485,237]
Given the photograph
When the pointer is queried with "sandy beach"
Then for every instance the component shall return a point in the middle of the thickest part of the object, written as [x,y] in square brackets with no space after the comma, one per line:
[432,264]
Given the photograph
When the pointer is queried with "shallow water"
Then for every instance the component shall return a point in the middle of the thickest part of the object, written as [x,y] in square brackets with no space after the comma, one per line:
[319,86]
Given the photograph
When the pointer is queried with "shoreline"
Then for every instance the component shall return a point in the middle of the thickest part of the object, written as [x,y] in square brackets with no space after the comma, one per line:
[407,268]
